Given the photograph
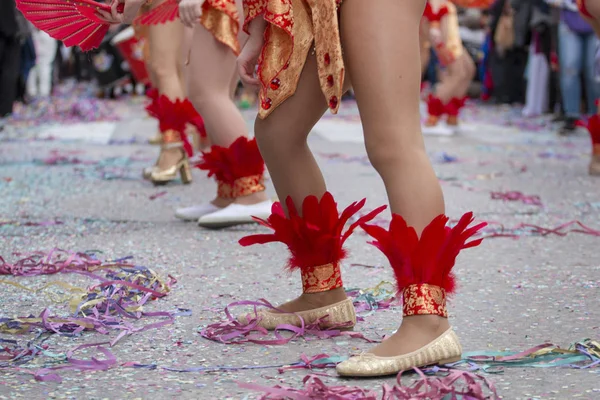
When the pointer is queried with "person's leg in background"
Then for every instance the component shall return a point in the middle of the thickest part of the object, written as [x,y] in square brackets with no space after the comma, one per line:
[9,73]
[590,46]
[570,47]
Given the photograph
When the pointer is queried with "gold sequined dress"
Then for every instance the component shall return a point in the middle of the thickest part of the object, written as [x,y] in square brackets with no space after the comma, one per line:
[293,27]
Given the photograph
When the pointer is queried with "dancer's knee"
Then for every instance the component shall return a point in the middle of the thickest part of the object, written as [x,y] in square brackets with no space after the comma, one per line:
[386,155]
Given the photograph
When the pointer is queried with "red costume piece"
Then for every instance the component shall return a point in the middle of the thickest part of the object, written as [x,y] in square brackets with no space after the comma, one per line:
[152,107]
[165,12]
[432,16]
[194,118]
[474,3]
[435,109]
[453,109]
[593,126]
[238,169]
[583,9]
[315,239]
[423,266]
[172,119]
[75,23]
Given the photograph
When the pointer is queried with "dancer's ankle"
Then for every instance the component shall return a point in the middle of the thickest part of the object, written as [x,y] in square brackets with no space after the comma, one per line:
[253,198]
[221,202]
[169,157]
[312,301]
[431,323]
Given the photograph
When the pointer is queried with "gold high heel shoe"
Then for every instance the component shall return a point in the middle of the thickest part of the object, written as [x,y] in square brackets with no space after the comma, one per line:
[172,140]
[162,177]
[445,349]
[340,313]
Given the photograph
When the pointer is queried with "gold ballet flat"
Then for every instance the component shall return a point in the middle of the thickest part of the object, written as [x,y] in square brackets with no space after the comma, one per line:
[162,177]
[340,313]
[156,139]
[445,349]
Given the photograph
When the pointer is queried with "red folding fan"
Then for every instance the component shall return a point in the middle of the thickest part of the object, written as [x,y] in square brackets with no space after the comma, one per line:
[75,23]
[473,3]
[166,12]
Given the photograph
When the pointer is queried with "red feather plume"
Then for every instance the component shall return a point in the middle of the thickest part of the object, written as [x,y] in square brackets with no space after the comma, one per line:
[435,107]
[593,126]
[239,160]
[172,115]
[194,118]
[455,105]
[317,236]
[430,259]
[152,108]
[166,12]
[75,23]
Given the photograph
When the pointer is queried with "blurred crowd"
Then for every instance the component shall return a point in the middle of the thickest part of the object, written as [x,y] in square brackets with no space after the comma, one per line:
[538,53]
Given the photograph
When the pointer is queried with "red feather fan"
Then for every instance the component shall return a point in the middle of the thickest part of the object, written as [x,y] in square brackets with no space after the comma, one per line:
[166,12]
[473,3]
[454,105]
[593,126]
[430,259]
[172,115]
[435,107]
[227,164]
[317,236]
[75,23]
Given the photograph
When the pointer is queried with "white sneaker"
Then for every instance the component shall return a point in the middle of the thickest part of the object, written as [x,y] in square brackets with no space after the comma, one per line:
[193,213]
[236,214]
[441,129]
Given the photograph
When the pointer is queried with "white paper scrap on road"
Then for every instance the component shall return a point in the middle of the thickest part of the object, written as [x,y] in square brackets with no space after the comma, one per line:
[92,132]
[338,130]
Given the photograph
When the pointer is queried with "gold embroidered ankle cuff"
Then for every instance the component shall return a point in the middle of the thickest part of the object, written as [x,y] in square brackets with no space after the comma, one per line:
[423,299]
[241,187]
[322,278]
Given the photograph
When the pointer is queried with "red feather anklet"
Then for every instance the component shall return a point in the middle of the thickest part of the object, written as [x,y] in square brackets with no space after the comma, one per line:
[238,169]
[423,266]
[172,118]
[593,127]
[315,239]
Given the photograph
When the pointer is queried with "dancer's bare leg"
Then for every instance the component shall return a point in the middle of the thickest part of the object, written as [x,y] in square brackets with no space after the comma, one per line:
[282,138]
[212,66]
[166,64]
[381,45]
[457,78]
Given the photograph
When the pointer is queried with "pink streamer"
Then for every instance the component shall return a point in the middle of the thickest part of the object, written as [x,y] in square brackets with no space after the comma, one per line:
[517,196]
[455,384]
[232,331]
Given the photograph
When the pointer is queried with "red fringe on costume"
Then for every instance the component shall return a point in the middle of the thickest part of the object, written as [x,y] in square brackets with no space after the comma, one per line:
[317,236]
[430,258]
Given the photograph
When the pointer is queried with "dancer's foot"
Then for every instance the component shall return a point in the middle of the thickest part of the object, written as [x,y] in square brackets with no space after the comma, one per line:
[333,308]
[415,332]
[172,161]
[241,211]
[169,157]
[311,301]
[417,347]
